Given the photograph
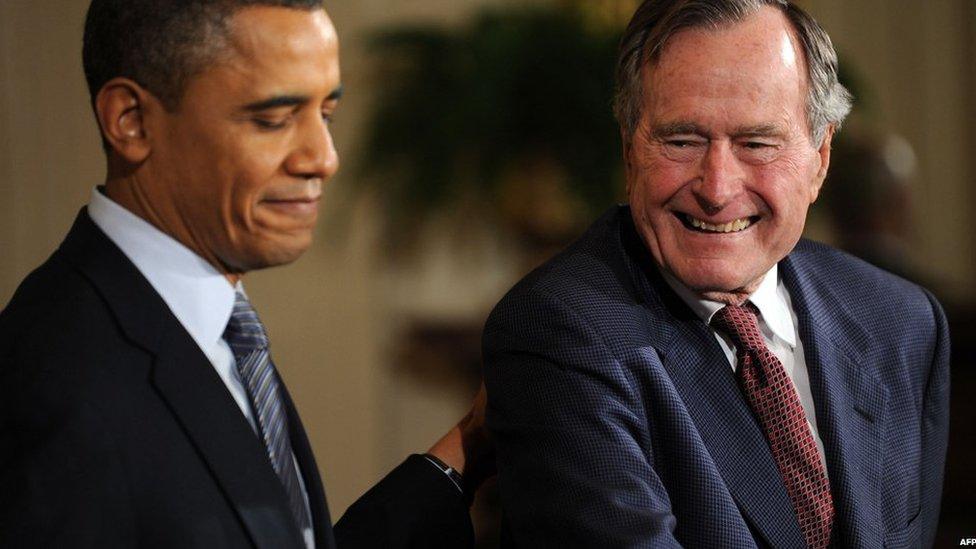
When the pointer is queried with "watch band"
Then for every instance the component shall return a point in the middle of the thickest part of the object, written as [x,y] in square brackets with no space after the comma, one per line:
[451,472]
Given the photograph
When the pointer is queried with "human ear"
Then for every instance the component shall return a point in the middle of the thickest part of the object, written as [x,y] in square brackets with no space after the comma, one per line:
[627,145]
[824,153]
[120,109]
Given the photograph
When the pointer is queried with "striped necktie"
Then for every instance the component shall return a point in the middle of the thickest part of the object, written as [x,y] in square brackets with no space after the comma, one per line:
[247,339]
[773,399]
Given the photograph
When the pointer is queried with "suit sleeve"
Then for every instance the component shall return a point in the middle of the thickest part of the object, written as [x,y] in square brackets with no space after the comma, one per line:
[568,425]
[415,506]
[935,428]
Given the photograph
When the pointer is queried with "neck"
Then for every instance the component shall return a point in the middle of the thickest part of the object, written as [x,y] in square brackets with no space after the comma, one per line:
[735,297]
[130,193]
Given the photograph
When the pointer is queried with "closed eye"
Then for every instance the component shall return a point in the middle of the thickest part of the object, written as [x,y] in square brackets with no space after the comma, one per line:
[682,143]
[266,124]
[759,152]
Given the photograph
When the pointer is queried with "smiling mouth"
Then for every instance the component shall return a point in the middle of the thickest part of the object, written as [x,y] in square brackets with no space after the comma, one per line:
[735,226]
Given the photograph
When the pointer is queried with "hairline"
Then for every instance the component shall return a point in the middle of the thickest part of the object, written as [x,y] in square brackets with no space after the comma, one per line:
[653,57]
[631,84]
[219,49]
[211,46]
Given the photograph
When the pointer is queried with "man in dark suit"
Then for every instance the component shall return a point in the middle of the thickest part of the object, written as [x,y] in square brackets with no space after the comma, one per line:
[139,405]
[691,373]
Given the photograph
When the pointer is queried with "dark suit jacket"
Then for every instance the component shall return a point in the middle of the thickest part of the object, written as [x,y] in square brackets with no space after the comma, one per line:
[115,431]
[618,421]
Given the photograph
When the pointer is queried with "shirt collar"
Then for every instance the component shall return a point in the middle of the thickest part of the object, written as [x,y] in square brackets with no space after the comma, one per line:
[200,297]
[771,298]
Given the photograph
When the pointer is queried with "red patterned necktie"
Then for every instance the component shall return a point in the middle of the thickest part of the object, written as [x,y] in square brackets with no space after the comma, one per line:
[774,401]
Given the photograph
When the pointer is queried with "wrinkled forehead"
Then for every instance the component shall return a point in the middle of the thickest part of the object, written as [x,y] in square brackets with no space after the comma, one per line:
[763,47]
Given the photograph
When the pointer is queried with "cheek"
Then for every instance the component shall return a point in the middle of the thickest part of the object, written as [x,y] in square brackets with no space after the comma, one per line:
[246,179]
[652,179]
[657,185]
[786,189]
[639,196]
[801,170]
[207,163]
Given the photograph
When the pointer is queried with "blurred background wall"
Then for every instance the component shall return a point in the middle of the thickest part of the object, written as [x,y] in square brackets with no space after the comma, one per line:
[376,335]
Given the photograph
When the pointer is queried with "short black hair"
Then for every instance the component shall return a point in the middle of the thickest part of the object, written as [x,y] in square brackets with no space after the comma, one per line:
[160,44]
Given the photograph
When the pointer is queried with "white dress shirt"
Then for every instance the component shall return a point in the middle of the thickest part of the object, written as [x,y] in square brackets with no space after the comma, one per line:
[199,296]
[778,324]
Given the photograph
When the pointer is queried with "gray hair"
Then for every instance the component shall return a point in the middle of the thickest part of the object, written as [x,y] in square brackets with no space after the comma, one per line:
[656,21]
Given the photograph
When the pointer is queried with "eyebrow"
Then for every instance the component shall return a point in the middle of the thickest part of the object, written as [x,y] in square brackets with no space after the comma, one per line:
[288,101]
[677,128]
[277,101]
[690,128]
[759,130]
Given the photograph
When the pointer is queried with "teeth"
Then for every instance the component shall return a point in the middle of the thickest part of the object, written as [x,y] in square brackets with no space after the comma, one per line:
[730,227]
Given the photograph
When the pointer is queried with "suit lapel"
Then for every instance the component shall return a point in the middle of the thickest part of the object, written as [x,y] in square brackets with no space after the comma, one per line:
[849,400]
[237,459]
[187,382]
[321,520]
[707,385]
[706,382]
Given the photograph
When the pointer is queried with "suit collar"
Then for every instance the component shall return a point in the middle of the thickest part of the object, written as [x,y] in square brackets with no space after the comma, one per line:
[126,292]
[199,296]
[187,382]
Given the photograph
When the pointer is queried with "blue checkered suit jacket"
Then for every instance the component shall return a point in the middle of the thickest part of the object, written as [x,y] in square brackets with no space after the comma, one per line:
[618,421]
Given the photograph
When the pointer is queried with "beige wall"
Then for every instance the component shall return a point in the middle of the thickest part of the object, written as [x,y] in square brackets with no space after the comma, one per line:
[335,315]
[49,154]
[918,59]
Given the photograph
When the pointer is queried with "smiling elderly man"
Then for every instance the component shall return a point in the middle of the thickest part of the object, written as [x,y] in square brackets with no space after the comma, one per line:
[690,372]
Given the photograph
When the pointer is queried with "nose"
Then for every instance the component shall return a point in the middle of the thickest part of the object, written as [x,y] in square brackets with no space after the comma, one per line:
[721,177]
[314,154]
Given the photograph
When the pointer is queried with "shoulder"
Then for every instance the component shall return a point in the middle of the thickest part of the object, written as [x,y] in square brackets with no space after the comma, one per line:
[54,303]
[60,345]
[856,282]
[862,300]
[587,272]
[576,287]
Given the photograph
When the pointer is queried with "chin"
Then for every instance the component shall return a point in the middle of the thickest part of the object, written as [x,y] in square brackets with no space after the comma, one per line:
[284,256]
[275,255]
[701,279]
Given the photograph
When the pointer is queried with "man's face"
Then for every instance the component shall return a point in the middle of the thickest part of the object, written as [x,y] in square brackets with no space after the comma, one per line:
[236,171]
[721,169]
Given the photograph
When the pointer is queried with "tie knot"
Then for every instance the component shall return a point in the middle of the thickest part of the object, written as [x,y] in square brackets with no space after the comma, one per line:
[244,332]
[740,324]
